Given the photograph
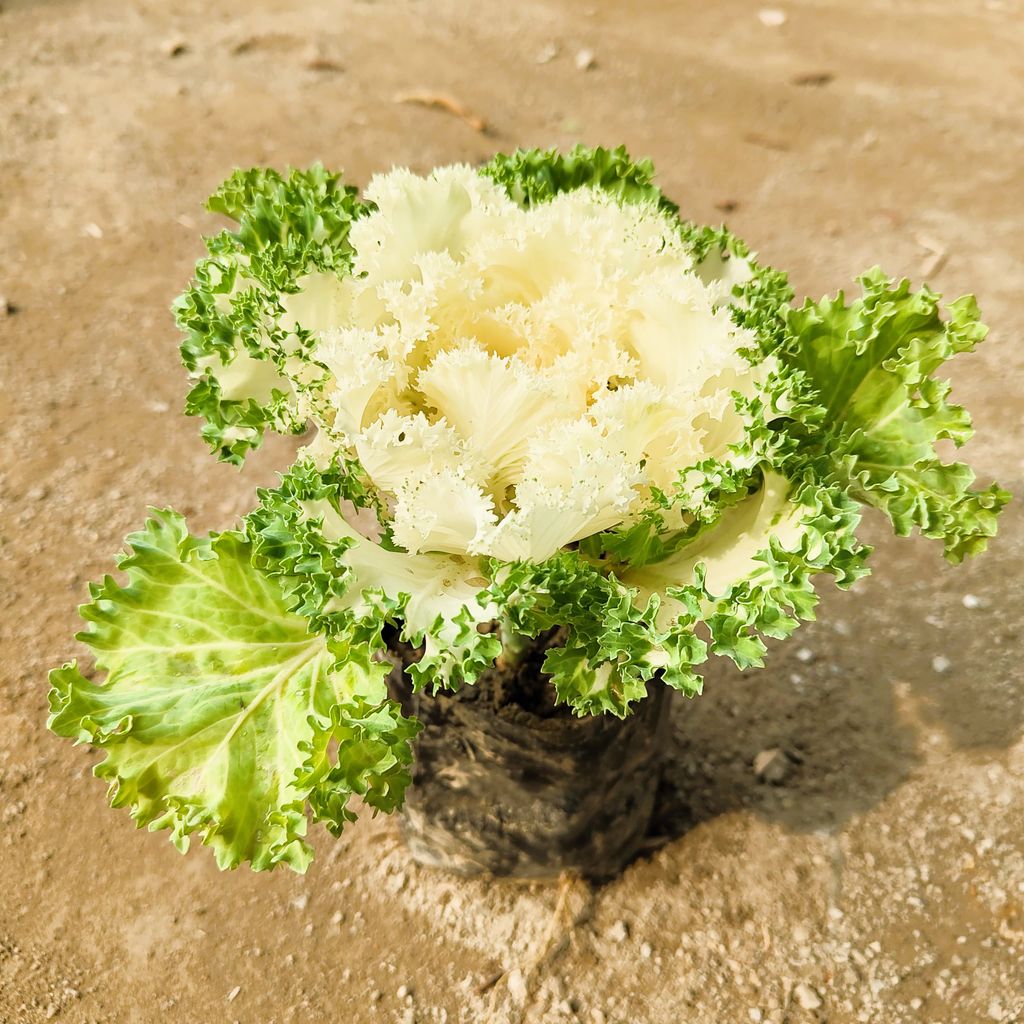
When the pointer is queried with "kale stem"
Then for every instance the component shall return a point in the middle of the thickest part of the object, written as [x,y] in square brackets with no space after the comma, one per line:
[514,645]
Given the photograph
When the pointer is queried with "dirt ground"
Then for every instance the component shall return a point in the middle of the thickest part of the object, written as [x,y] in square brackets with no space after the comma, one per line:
[883,881]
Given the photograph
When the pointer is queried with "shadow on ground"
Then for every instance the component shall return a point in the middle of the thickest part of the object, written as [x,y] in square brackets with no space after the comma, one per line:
[914,660]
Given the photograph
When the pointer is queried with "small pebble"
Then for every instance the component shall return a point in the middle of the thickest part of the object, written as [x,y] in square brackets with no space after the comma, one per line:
[940,663]
[807,997]
[645,950]
[92,230]
[972,601]
[313,59]
[772,766]
[174,47]
[233,994]
[547,54]
[755,1015]
[805,654]
[517,986]
[618,932]
[585,60]
[771,17]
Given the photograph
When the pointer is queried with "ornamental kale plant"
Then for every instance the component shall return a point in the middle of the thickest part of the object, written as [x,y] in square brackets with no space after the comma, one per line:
[538,400]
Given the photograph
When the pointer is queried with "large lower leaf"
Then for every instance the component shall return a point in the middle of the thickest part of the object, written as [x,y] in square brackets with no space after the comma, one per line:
[221,714]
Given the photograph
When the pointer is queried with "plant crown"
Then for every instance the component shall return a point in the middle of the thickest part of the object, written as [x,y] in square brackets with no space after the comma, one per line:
[541,400]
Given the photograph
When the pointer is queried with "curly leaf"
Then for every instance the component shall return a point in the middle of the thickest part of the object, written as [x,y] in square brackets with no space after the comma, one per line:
[531,176]
[343,582]
[239,335]
[750,574]
[870,364]
[220,713]
[757,293]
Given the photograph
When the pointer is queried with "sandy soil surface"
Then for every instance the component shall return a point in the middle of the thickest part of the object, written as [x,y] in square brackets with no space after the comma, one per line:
[883,880]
